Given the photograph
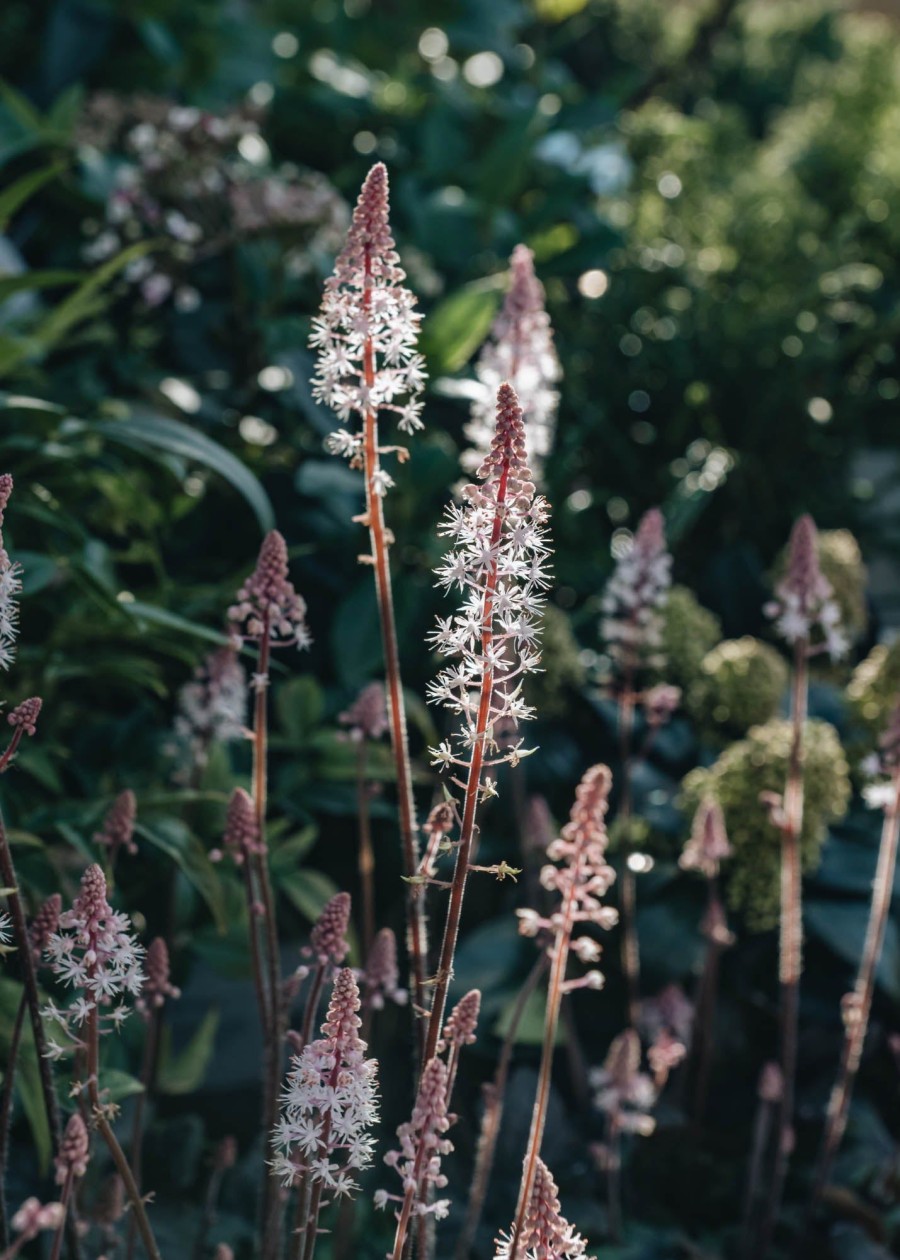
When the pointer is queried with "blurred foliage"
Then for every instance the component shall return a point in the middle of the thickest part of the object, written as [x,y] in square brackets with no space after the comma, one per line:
[707,188]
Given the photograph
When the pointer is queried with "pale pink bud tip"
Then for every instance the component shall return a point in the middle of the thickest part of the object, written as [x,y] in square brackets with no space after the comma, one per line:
[6,489]
[34,1216]
[545,1231]
[372,205]
[267,604]
[92,903]
[157,985]
[507,451]
[44,924]
[118,825]
[651,532]
[328,938]
[382,975]
[241,830]
[459,1030]
[367,716]
[26,714]
[73,1150]
[708,845]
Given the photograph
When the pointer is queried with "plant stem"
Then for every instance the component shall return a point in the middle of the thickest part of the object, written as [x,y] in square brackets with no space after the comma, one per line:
[64,1200]
[857,1020]
[762,1125]
[631,958]
[791,943]
[379,539]
[148,1068]
[312,1004]
[29,978]
[614,1180]
[473,786]
[115,1150]
[493,1115]
[702,1043]
[6,1111]
[366,852]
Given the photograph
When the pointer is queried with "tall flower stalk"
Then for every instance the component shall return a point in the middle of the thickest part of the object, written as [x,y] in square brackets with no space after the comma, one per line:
[499,563]
[704,852]
[858,1005]
[582,877]
[519,350]
[71,1165]
[544,1233]
[365,720]
[808,618]
[631,628]
[95,952]
[367,365]
[268,612]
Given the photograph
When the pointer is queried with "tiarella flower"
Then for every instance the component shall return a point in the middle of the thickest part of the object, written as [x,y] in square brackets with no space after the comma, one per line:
[241,839]
[117,831]
[328,939]
[43,925]
[520,350]
[582,877]
[329,1101]
[624,1093]
[267,605]
[72,1160]
[212,708]
[365,335]
[422,1146]
[499,564]
[10,586]
[458,1031]
[671,1010]
[157,985]
[95,952]
[25,715]
[546,1234]
[805,608]
[381,978]
[367,716]
[634,599]
[33,1217]
[6,930]
[708,844]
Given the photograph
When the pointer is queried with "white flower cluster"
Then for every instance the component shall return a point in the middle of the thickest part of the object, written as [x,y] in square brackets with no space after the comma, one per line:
[805,605]
[635,597]
[520,350]
[95,952]
[366,332]
[499,562]
[330,1101]
[212,708]
[546,1234]
[10,587]
[624,1093]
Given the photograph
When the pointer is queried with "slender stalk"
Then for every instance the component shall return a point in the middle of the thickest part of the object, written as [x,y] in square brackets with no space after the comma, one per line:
[762,1127]
[312,1004]
[148,1070]
[473,788]
[614,1179]
[366,852]
[29,978]
[631,958]
[493,1115]
[64,1200]
[115,1150]
[857,1022]
[6,1111]
[702,1043]
[380,540]
[791,944]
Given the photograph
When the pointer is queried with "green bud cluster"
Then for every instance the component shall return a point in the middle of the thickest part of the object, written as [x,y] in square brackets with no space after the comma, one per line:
[740,684]
[873,689]
[759,764]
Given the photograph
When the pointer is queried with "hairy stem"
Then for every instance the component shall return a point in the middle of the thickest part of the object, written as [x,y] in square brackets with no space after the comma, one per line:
[614,1179]
[762,1126]
[366,852]
[857,1020]
[56,1250]
[631,958]
[115,1150]
[148,1069]
[702,1043]
[493,1115]
[379,539]
[791,943]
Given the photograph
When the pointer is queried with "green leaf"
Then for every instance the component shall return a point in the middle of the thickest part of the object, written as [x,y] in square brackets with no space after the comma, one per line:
[12,198]
[308,891]
[147,432]
[300,704]
[184,1072]
[531,1026]
[841,925]
[28,1080]
[115,1085]
[458,325]
[173,621]
[175,839]
[28,280]
[290,852]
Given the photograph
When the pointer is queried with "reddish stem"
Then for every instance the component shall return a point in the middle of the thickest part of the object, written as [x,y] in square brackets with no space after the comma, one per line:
[366,851]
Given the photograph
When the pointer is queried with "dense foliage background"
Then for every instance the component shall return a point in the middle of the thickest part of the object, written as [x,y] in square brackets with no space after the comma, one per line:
[708,190]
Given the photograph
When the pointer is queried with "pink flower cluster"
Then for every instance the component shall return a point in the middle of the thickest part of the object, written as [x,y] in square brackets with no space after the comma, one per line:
[367,716]
[212,707]
[499,562]
[10,586]
[367,330]
[708,844]
[117,831]
[546,1234]
[625,1093]
[329,1101]
[381,978]
[422,1146]
[267,605]
[805,605]
[635,597]
[519,350]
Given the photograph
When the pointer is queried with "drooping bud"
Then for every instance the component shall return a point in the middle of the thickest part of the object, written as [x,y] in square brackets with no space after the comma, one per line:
[25,714]
[44,924]
[241,839]
[157,985]
[708,845]
[328,938]
[72,1160]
